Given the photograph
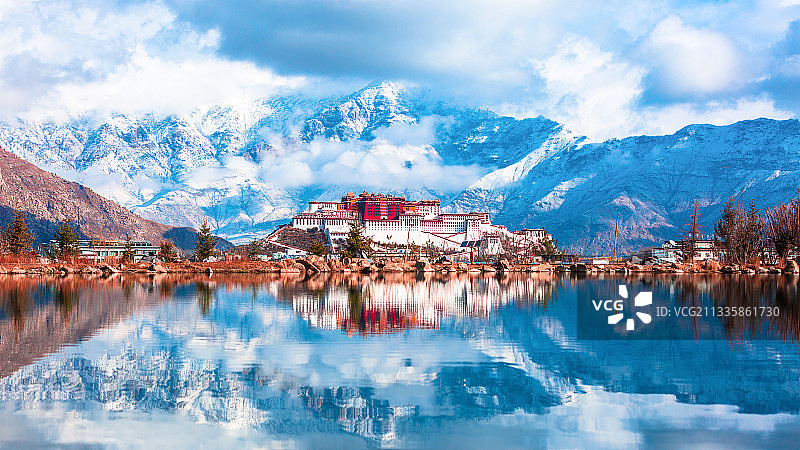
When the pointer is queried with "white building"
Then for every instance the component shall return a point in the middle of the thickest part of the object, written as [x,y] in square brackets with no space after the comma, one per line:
[97,251]
[445,231]
[672,251]
[388,219]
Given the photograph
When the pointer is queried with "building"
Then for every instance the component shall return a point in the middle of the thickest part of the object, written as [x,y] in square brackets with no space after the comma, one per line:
[97,250]
[394,220]
[534,234]
[672,251]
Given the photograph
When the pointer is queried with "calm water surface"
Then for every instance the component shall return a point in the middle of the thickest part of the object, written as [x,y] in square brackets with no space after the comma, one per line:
[401,361]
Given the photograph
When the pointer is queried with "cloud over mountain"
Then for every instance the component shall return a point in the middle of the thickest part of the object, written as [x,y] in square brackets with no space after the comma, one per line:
[642,65]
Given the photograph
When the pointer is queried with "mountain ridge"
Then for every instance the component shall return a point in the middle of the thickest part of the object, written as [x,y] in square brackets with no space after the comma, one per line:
[243,166]
[48,199]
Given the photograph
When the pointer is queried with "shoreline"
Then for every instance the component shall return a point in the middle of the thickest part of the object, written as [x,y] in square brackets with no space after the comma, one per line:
[312,265]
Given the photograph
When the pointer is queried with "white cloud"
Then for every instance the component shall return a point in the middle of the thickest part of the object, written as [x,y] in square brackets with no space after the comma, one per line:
[690,60]
[599,94]
[147,83]
[401,156]
[621,61]
[59,59]
[664,120]
[590,90]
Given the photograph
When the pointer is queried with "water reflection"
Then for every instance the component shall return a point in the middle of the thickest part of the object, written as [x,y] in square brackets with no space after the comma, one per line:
[749,294]
[368,305]
[205,292]
[395,360]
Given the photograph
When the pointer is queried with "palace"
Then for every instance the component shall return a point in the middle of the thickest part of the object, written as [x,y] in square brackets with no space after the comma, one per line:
[395,220]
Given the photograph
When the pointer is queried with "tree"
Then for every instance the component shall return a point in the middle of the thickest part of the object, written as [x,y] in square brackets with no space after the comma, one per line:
[549,247]
[413,251]
[17,237]
[319,246]
[783,227]
[739,233]
[513,248]
[691,236]
[356,245]
[753,234]
[254,248]
[66,241]
[167,252]
[204,243]
[726,230]
[432,251]
[128,254]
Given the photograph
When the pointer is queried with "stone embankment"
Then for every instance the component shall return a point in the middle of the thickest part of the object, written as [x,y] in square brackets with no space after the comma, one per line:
[313,264]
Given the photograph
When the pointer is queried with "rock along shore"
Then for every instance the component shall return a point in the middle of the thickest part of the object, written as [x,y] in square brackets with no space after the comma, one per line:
[313,264]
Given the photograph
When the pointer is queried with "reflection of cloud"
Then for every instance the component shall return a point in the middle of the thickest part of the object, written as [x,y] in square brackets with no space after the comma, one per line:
[168,376]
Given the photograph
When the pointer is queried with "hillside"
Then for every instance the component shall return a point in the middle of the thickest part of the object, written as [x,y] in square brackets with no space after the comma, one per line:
[48,199]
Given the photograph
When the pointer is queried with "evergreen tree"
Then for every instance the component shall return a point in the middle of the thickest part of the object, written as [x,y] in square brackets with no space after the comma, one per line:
[66,241]
[319,246]
[356,245]
[739,233]
[167,252]
[254,248]
[204,243]
[726,230]
[549,247]
[17,237]
[128,253]
[753,234]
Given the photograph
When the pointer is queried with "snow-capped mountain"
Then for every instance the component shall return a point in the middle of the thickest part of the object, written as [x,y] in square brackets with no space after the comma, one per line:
[649,182]
[248,167]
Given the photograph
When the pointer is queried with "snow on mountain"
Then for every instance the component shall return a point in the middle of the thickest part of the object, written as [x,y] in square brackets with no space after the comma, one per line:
[649,182]
[248,167]
[357,115]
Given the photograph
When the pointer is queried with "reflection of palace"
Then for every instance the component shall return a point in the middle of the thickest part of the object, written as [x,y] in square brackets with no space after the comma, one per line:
[381,306]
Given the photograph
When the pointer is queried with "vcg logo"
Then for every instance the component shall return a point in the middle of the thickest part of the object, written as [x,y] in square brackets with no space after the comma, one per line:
[617,306]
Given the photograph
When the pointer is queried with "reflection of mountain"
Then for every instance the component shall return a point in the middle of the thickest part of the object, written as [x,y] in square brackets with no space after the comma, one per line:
[241,359]
[361,304]
[758,376]
[40,316]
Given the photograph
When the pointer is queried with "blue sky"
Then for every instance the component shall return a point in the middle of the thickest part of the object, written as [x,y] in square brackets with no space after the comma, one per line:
[606,69]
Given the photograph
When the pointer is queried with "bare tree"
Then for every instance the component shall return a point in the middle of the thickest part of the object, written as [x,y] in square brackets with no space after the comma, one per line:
[783,228]
[691,236]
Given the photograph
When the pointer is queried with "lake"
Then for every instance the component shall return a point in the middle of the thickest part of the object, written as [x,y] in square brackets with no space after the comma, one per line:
[526,360]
